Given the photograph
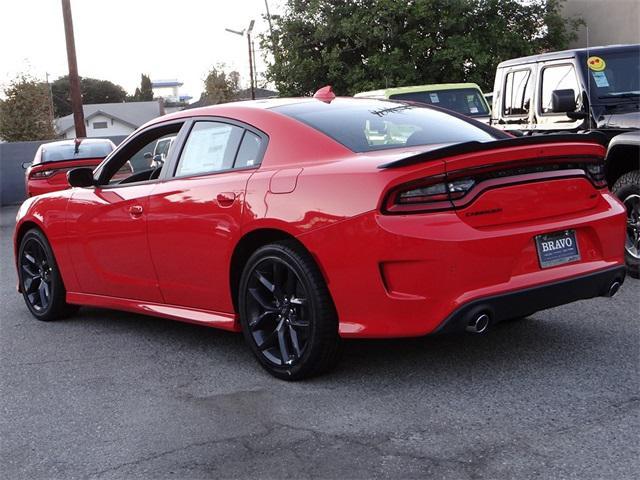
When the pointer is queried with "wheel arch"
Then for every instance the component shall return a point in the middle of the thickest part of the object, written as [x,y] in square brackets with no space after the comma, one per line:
[248,244]
[621,158]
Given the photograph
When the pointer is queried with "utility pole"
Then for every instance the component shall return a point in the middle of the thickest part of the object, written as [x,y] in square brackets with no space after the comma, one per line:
[50,97]
[74,80]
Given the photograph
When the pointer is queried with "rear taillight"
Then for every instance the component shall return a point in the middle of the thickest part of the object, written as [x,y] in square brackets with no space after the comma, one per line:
[427,196]
[596,173]
[41,174]
[440,193]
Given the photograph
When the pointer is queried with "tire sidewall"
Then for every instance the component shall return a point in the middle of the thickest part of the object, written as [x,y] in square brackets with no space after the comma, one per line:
[275,252]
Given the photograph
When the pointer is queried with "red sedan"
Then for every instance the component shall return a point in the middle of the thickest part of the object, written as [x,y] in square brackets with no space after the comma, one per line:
[303,221]
[52,161]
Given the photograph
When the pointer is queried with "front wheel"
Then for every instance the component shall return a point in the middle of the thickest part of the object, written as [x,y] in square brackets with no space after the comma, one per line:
[40,281]
[286,313]
[627,189]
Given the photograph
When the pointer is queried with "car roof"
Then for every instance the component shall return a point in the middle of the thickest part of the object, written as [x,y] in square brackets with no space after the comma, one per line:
[598,50]
[417,88]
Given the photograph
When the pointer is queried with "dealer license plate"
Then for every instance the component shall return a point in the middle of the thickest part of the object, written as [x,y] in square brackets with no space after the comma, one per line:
[557,248]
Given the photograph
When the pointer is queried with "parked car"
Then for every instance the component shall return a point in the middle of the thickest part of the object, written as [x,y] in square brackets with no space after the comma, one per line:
[282,219]
[48,170]
[584,90]
[464,98]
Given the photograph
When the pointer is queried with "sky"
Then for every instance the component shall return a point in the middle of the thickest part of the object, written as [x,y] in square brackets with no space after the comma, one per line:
[117,40]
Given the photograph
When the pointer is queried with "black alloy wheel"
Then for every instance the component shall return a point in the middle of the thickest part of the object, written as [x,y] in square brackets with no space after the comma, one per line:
[277,309]
[40,281]
[36,275]
[286,313]
[627,189]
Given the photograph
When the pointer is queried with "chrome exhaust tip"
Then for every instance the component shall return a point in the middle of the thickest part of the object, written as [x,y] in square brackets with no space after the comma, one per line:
[478,324]
[613,289]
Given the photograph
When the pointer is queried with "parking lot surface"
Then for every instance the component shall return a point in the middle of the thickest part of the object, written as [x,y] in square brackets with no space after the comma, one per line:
[116,395]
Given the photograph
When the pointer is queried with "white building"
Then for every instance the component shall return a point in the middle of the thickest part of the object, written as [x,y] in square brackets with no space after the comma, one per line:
[111,119]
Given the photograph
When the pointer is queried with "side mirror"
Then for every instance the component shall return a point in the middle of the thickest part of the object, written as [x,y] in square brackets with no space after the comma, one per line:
[81,177]
[148,155]
[563,101]
[26,165]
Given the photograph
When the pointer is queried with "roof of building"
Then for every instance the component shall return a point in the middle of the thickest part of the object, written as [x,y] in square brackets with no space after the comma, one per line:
[166,83]
[133,114]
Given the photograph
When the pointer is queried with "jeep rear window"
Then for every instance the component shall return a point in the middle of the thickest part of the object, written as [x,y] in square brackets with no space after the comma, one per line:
[364,125]
[467,101]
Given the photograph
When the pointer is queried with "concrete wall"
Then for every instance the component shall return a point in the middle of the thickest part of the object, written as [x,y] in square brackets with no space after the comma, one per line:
[12,155]
[610,21]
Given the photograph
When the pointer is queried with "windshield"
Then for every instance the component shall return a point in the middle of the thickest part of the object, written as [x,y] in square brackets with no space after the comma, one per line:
[467,101]
[614,75]
[366,125]
[57,153]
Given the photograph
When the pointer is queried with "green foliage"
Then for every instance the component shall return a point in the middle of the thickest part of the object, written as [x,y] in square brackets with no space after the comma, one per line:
[92,89]
[358,45]
[220,86]
[25,112]
[144,92]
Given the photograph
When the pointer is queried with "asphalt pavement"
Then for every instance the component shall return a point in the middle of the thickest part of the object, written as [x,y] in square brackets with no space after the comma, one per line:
[117,395]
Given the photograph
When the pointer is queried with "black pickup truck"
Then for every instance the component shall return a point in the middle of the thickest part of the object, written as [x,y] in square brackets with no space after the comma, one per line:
[594,89]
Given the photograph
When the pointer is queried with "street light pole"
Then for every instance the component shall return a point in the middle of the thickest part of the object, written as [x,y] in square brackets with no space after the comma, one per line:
[249,30]
[74,80]
[253,91]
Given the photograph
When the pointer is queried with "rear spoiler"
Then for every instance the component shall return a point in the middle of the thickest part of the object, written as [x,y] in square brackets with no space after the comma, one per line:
[473,147]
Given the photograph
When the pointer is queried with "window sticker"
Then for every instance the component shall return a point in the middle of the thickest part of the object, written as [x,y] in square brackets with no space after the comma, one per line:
[600,79]
[596,64]
[434,98]
[473,109]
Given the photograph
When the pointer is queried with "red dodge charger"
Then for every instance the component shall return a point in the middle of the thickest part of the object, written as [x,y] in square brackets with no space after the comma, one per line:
[303,221]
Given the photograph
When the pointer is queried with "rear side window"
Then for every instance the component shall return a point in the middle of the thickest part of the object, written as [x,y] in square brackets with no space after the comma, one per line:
[210,147]
[559,77]
[57,153]
[364,125]
[249,152]
[517,93]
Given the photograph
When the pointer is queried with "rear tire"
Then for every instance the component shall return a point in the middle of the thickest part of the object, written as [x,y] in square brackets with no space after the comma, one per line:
[286,313]
[40,281]
[627,189]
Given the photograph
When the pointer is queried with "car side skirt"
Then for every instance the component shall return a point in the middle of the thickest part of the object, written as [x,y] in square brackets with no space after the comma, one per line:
[224,321]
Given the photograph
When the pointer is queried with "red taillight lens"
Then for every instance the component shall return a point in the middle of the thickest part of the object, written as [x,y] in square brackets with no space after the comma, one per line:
[41,174]
[597,174]
[426,196]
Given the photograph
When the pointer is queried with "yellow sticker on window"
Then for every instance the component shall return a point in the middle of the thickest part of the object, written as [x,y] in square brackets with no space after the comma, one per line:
[596,64]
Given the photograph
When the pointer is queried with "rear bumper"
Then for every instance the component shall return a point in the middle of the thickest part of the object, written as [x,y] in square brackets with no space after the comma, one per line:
[530,300]
[407,275]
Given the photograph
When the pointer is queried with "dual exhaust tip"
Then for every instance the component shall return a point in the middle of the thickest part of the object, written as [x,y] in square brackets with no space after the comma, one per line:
[478,323]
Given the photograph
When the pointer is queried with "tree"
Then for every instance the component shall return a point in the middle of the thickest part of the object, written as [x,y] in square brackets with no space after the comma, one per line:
[25,112]
[92,89]
[144,92]
[358,45]
[219,86]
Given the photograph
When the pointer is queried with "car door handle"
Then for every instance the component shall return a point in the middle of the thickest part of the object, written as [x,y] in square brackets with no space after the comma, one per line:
[226,199]
[136,210]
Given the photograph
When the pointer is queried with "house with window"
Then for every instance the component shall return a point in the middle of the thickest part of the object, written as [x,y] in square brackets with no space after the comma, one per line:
[111,119]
